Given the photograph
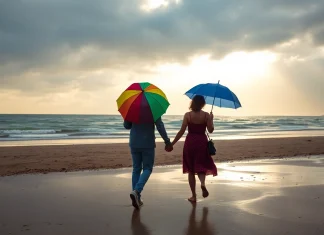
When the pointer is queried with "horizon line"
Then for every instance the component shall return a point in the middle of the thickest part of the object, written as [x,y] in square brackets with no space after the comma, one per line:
[107,114]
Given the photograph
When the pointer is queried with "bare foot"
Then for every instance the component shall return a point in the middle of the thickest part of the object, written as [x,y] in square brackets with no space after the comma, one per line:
[192,199]
[205,193]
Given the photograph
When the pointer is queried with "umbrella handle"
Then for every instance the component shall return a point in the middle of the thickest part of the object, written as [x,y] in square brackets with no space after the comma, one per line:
[213,104]
[214,99]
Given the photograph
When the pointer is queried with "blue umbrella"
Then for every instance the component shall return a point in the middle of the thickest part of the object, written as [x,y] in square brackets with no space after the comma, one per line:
[215,94]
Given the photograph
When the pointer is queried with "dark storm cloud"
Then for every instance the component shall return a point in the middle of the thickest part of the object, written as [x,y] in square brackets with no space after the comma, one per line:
[41,35]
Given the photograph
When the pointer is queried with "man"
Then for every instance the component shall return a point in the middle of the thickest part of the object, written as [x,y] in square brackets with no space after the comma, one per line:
[142,145]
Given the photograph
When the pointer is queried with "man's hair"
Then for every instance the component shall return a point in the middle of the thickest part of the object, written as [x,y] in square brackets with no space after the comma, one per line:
[197,103]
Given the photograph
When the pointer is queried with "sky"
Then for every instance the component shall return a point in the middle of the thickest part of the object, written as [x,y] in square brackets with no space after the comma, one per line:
[77,56]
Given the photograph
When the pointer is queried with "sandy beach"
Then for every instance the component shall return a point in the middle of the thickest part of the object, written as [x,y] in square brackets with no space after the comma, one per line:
[267,197]
[63,158]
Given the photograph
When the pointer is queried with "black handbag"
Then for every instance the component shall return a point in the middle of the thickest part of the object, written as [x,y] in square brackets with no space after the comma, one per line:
[211,146]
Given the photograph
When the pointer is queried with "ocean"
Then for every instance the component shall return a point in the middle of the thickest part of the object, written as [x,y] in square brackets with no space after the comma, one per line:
[79,129]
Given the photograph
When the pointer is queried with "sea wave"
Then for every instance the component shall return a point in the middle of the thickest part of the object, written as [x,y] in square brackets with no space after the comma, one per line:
[25,127]
[98,130]
[67,131]
[38,136]
[27,132]
[240,126]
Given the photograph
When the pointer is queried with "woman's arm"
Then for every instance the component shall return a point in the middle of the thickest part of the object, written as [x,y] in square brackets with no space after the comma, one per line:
[182,130]
[210,123]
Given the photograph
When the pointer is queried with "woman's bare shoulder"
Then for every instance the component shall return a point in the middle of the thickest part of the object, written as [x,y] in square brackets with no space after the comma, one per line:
[186,116]
[206,115]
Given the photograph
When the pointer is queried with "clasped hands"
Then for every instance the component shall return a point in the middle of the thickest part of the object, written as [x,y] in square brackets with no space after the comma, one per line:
[168,147]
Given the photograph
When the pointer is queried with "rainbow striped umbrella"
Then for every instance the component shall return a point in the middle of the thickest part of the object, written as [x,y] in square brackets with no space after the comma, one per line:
[142,103]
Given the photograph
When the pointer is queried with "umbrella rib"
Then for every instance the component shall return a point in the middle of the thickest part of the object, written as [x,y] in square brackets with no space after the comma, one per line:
[233,100]
[149,105]
[214,101]
[156,102]
[131,103]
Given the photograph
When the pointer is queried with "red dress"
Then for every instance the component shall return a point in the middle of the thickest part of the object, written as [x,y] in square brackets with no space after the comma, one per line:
[196,158]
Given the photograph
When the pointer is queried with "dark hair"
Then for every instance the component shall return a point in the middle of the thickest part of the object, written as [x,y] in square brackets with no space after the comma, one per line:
[197,103]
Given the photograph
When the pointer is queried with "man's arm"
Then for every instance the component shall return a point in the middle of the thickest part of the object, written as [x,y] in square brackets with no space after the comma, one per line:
[160,127]
[127,125]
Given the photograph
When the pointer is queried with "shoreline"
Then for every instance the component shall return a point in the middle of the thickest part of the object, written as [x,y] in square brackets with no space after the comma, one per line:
[94,141]
[65,158]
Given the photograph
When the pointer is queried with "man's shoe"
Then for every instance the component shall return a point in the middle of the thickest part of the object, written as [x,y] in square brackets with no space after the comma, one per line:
[140,202]
[135,199]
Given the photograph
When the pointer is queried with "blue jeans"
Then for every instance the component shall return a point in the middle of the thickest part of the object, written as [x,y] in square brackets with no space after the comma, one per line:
[143,159]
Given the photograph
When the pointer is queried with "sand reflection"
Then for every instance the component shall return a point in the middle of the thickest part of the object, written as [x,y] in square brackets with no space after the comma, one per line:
[138,228]
[199,227]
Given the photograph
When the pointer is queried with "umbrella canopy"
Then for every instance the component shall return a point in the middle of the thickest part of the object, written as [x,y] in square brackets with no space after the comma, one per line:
[142,103]
[215,94]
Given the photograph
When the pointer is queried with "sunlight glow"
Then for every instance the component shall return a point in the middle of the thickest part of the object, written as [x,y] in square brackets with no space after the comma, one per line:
[237,67]
[150,5]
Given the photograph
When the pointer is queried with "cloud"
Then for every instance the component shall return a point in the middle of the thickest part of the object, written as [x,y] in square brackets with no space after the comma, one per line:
[40,33]
[58,45]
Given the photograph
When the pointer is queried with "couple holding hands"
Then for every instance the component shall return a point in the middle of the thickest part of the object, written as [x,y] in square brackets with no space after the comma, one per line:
[196,157]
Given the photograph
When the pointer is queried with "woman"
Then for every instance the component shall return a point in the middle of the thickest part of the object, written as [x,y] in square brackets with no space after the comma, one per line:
[196,158]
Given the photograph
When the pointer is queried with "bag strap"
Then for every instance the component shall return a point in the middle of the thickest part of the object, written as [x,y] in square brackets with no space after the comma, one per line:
[206,119]
[208,135]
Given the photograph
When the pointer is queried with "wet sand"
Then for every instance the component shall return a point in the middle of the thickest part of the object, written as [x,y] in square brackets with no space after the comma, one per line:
[44,159]
[256,197]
